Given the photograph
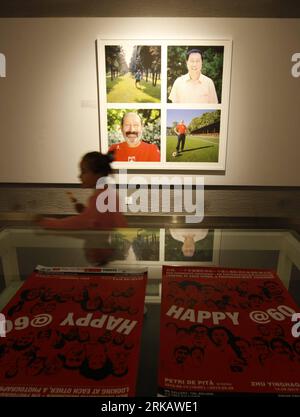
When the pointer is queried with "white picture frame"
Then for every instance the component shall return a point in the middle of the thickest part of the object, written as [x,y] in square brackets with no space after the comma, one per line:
[118,93]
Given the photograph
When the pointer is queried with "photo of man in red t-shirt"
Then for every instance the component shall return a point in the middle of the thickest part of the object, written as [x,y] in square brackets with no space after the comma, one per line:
[180,131]
[134,149]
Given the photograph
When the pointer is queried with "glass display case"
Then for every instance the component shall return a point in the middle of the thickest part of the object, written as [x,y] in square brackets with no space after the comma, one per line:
[23,248]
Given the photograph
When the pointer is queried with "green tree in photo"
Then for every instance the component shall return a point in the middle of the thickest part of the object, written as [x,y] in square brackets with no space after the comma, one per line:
[205,120]
[146,244]
[213,68]
[113,60]
[121,69]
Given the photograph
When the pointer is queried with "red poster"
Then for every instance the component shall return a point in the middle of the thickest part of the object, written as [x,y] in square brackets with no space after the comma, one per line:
[73,333]
[226,331]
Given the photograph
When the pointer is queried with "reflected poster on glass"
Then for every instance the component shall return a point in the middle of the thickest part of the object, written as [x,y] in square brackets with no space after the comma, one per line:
[164,104]
[73,332]
[189,245]
[135,245]
[226,331]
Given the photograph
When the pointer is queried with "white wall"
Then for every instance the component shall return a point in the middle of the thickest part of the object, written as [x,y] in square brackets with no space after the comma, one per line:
[48,101]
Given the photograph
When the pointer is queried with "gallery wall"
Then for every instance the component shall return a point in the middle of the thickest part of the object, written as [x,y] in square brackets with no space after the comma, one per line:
[48,100]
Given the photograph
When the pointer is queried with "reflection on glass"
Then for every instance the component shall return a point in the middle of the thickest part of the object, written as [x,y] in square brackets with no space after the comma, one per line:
[189,245]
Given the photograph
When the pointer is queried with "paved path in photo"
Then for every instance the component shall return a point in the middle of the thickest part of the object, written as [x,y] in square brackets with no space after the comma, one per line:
[123,90]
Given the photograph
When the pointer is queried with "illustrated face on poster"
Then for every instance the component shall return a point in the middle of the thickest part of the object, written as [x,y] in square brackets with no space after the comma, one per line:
[147,88]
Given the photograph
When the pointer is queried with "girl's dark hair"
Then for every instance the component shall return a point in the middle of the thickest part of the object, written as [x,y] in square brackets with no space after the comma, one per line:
[99,162]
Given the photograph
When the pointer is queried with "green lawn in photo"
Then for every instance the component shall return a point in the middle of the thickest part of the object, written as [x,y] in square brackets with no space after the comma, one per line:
[123,90]
[197,149]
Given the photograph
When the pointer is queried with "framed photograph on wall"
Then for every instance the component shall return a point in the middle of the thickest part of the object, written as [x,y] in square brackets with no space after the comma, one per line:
[163,104]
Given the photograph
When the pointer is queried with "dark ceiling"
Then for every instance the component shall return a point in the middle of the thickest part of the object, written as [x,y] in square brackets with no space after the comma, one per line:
[150,8]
